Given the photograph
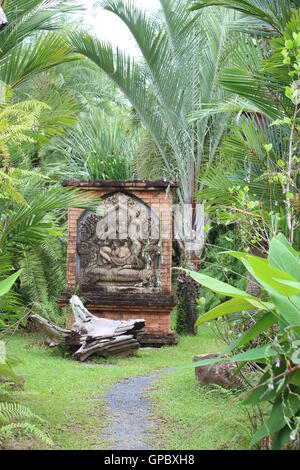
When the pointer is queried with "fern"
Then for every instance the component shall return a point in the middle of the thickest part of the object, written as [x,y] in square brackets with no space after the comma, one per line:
[16,120]
[16,417]
[10,412]
[8,431]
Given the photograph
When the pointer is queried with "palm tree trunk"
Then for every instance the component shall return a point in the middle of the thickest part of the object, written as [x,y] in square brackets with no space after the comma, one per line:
[187,314]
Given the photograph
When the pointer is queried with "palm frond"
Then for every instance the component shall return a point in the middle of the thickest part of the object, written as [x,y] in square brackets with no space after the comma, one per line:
[158,85]
[97,149]
[276,13]
[28,17]
[130,77]
[46,51]
[30,224]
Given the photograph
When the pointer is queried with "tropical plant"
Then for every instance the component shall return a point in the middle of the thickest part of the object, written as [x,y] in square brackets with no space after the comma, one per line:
[162,92]
[159,87]
[31,42]
[13,416]
[30,234]
[258,189]
[30,46]
[273,13]
[16,418]
[6,364]
[98,148]
[32,112]
[91,88]
[16,123]
[279,276]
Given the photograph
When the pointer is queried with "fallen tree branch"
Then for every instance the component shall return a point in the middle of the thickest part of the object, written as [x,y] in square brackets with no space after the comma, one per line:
[92,335]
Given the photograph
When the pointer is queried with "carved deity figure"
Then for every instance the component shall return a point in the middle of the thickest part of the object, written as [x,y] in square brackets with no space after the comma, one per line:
[117,249]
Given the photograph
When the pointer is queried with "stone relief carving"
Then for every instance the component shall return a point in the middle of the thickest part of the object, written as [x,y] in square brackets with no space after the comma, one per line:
[121,248]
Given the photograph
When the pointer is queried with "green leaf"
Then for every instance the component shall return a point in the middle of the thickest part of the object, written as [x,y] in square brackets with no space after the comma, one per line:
[284,257]
[218,286]
[231,306]
[248,7]
[234,305]
[268,147]
[289,310]
[289,44]
[263,392]
[7,284]
[277,420]
[261,325]
[281,438]
[295,378]
[257,354]
[266,274]
[294,284]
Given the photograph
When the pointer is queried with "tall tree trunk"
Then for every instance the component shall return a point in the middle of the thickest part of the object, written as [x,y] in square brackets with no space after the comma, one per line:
[188,292]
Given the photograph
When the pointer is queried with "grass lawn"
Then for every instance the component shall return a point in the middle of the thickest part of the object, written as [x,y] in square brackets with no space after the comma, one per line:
[67,394]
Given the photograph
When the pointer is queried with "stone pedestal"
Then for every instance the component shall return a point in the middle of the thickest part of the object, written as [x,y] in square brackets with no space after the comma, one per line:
[120,259]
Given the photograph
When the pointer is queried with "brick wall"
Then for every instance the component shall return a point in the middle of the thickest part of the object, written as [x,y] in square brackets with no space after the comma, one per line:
[157,317]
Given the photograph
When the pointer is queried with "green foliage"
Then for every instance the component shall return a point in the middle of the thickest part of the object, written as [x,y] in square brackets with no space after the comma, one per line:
[220,239]
[98,148]
[7,284]
[13,416]
[255,182]
[159,87]
[37,120]
[31,43]
[180,316]
[16,418]
[279,276]
[147,161]
[33,236]
[275,13]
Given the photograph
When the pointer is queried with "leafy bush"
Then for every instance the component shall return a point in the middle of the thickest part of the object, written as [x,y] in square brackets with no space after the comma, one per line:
[279,276]
[13,416]
[220,266]
[220,239]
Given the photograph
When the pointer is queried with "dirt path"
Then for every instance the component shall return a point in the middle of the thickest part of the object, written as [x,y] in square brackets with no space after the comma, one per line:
[128,408]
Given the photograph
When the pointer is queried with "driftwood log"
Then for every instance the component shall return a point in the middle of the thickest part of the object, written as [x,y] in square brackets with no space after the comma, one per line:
[92,335]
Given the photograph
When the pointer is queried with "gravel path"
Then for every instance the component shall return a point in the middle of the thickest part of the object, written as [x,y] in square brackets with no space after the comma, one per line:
[131,423]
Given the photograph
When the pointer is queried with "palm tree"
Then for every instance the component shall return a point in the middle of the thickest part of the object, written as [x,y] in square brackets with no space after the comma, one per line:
[272,13]
[182,55]
[32,41]
[262,78]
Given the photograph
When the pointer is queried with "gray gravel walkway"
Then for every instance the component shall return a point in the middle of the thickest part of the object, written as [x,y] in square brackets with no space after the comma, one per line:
[128,409]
